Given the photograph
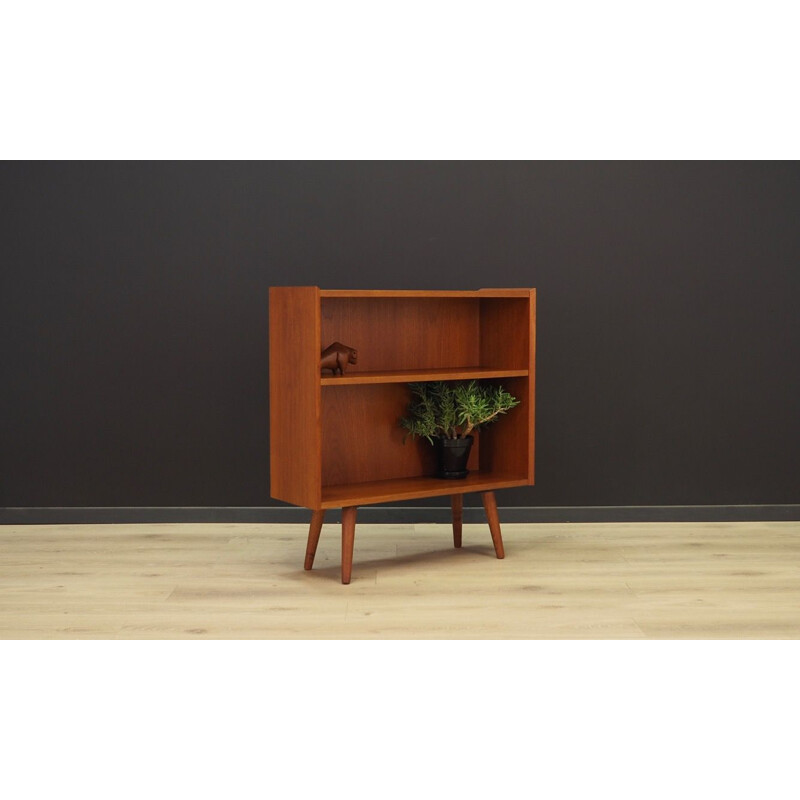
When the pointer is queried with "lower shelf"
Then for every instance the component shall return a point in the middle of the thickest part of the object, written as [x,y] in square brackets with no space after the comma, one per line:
[361,494]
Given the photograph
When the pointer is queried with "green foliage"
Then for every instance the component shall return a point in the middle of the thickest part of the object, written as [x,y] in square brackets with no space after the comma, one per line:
[454,409]
[423,417]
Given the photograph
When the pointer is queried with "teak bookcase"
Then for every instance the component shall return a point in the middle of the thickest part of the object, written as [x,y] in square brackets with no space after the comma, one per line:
[335,441]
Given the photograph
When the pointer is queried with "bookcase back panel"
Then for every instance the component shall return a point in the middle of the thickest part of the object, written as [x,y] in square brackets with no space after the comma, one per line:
[404,333]
[362,440]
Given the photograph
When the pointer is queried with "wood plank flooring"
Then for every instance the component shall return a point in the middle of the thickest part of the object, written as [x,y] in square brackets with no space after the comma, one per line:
[558,581]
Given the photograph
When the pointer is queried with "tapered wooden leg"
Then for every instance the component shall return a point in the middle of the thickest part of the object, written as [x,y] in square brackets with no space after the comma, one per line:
[313,537]
[457,504]
[348,537]
[490,505]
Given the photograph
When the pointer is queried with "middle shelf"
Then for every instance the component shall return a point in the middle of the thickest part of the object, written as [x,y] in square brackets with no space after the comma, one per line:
[411,375]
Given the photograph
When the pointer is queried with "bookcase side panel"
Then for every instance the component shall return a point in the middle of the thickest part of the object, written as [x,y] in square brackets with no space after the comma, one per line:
[505,445]
[294,395]
[508,340]
[532,387]
[505,332]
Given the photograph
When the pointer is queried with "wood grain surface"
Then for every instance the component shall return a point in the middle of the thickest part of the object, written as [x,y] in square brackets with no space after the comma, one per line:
[401,293]
[362,439]
[490,506]
[314,530]
[457,509]
[335,441]
[508,339]
[360,494]
[294,395]
[348,539]
[404,333]
[738,580]
[410,375]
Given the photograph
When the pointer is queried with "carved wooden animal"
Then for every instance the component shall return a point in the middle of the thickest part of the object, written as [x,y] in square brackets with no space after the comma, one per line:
[337,356]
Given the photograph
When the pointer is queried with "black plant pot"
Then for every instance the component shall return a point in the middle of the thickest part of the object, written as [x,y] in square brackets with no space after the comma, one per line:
[452,455]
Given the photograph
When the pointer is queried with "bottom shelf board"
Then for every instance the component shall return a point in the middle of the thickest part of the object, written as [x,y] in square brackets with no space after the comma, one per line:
[360,494]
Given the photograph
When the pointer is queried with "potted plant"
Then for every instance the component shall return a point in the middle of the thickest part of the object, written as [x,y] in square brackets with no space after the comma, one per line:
[447,412]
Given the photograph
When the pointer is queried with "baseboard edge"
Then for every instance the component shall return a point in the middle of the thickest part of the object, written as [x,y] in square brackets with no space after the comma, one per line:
[73,515]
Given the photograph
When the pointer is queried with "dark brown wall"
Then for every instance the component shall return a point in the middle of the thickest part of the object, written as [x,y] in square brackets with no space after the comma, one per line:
[133,317]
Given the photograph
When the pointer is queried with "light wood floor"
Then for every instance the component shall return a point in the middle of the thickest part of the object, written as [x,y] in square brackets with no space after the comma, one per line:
[242,581]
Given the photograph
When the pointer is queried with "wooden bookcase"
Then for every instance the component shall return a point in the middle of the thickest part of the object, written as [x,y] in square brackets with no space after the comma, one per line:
[335,441]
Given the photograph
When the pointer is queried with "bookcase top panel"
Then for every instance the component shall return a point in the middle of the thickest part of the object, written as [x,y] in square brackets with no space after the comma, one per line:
[424,293]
